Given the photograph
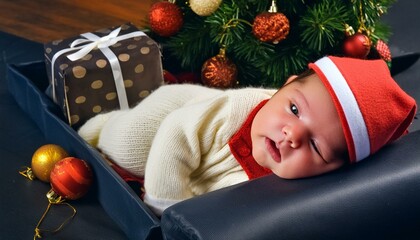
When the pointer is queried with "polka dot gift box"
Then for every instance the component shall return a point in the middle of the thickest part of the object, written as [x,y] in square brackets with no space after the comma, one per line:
[100,71]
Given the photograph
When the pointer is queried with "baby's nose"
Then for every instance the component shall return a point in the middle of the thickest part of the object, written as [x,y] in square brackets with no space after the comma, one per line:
[295,134]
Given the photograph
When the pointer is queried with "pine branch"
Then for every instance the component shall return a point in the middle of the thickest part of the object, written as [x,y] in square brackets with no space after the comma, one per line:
[317,28]
[320,30]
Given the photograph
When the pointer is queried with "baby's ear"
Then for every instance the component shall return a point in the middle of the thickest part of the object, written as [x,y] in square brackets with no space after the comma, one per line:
[290,79]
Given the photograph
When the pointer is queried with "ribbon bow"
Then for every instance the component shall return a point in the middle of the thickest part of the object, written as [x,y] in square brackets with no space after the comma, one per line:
[92,41]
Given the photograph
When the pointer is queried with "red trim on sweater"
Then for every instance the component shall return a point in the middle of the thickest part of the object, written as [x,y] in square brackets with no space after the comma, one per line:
[241,147]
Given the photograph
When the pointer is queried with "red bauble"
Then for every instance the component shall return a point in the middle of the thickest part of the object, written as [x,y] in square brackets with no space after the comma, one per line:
[71,178]
[188,77]
[182,77]
[271,27]
[165,18]
[169,78]
[383,50]
[357,46]
[219,72]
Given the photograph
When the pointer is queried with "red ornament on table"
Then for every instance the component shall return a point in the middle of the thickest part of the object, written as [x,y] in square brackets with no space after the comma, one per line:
[271,26]
[71,178]
[165,18]
[219,71]
[357,46]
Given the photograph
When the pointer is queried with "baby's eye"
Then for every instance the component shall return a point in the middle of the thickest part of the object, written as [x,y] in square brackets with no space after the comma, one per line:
[294,109]
[313,143]
[314,146]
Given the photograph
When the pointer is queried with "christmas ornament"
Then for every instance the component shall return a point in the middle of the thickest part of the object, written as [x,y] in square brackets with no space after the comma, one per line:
[169,78]
[44,159]
[219,71]
[165,18]
[188,77]
[383,50]
[182,77]
[71,178]
[314,30]
[271,26]
[357,45]
[53,199]
[204,7]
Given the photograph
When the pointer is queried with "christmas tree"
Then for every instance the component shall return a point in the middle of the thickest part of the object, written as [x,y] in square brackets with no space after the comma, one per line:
[262,42]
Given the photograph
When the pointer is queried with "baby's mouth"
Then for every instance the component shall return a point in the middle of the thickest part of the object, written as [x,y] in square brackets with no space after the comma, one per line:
[273,150]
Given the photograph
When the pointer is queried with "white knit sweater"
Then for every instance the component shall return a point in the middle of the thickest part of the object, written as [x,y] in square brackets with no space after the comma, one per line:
[182,133]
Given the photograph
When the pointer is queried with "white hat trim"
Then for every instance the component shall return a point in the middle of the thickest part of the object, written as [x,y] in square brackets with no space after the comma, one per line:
[350,107]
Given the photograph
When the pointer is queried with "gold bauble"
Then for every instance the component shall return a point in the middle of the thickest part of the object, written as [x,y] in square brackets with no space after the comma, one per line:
[204,7]
[44,159]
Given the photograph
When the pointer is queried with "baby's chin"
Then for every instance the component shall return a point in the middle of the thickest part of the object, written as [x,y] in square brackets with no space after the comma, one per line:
[285,176]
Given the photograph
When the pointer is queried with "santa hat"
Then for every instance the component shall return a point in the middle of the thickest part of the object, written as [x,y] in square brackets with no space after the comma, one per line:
[373,109]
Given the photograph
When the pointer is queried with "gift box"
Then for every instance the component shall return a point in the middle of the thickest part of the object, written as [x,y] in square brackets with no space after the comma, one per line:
[100,71]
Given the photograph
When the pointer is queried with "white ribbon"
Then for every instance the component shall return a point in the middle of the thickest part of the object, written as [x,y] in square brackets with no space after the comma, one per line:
[86,45]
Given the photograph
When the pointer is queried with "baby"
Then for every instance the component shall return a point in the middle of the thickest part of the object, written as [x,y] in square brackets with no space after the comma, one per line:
[186,140]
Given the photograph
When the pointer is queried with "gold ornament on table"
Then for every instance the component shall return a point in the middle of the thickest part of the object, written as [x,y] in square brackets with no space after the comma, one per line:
[204,7]
[43,161]
[70,178]
[271,26]
[219,71]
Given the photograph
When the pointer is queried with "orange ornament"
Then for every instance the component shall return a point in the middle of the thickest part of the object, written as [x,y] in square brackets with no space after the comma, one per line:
[219,72]
[44,159]
[271,26]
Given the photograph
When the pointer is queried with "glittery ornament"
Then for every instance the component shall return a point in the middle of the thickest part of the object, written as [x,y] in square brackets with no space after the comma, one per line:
[165,18]
[219,72]
[44,159]
[71,178]
[357,46]
[271,26]
[383,50]
[204,7]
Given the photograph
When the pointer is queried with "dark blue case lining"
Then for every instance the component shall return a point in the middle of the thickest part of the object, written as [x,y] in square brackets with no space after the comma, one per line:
[27,83]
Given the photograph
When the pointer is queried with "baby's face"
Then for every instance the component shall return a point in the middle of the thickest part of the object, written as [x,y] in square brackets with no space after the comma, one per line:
[297,133]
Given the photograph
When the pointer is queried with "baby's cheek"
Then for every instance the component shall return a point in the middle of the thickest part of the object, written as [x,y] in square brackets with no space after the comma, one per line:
[296,167]
[258,155]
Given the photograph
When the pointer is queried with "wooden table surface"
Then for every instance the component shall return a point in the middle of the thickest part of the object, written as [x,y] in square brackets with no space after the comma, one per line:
[47,20]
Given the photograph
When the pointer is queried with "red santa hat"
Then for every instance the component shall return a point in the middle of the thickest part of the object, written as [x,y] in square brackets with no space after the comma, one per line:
[373,109]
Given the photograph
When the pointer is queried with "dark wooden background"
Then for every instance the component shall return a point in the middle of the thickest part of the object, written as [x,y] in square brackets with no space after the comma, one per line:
[46,20]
